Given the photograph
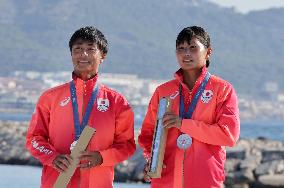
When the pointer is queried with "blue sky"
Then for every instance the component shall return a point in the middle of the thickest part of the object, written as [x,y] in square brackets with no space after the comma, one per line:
[248,5]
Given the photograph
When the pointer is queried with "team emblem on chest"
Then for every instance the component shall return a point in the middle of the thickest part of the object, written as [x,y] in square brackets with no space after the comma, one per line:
[206,96]
[102,104]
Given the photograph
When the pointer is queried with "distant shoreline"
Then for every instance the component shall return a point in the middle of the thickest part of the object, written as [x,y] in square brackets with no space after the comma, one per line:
[25,117]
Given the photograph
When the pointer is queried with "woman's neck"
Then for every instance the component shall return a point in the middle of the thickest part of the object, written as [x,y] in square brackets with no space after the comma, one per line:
[190,77]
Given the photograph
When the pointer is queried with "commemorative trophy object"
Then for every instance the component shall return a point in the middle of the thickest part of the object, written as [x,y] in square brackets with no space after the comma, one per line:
[159,140]
[76,147]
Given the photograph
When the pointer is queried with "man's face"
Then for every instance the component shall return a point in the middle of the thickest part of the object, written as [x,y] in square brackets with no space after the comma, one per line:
[192,56]
[86,57]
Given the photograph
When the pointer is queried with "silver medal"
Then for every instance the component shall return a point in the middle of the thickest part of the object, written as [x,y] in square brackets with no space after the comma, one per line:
[184,141]
[73,145]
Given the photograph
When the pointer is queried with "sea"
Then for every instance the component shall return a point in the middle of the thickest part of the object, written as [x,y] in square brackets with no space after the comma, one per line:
[14,176]
[270,129]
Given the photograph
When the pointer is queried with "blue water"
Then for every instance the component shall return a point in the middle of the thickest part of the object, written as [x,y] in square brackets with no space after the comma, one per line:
[14,176]
[15,117]
[271,129]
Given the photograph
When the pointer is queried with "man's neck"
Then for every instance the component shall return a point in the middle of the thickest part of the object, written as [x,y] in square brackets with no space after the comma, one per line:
[85,76]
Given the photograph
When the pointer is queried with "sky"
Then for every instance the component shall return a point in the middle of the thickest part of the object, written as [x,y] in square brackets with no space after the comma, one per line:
[245,6]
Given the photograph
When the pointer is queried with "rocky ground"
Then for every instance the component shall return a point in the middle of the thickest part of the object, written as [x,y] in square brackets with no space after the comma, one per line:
[252,163]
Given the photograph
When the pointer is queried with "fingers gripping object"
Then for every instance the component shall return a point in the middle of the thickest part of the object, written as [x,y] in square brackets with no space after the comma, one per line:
[85,137]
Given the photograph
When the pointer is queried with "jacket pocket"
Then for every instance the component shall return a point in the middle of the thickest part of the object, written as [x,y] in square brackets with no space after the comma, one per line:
[218,161]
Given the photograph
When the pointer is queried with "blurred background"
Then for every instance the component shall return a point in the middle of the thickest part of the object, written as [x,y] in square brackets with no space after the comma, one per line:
[247,39]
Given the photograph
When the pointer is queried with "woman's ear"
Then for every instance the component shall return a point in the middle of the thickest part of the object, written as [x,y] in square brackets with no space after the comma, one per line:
[209,52]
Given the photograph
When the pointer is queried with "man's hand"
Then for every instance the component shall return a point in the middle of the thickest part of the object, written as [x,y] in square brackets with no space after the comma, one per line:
[62,162]
[89,159]
[171,120]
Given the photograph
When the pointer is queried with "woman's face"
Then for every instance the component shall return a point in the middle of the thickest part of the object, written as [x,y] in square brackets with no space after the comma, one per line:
[192,56]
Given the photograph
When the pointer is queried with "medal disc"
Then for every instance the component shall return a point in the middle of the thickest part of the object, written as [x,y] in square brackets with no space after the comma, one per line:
[184,141]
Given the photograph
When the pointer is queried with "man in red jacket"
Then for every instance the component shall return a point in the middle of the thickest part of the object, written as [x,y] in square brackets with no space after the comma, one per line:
[204,118]
[62,112]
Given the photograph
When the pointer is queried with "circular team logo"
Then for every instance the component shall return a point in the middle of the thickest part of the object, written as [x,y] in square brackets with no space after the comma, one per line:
[184,141]
[103,104]
[206,96]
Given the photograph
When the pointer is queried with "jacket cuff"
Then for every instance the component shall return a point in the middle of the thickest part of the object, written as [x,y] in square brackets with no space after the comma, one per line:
[106,159]
[50,159]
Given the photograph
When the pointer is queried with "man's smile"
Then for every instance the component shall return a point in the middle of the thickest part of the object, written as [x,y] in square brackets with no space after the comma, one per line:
[83,62]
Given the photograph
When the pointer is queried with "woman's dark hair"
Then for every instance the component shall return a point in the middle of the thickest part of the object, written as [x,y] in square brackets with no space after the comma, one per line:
[194,32]
[91,34]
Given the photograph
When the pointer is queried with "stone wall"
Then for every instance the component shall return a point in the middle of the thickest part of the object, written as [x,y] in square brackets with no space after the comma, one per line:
[255,163]
[252,163]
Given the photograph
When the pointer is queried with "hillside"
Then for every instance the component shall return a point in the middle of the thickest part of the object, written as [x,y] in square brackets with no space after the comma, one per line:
[248,48]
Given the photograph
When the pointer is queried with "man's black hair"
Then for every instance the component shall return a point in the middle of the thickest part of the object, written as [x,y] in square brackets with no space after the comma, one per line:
[194,32]
[91,34]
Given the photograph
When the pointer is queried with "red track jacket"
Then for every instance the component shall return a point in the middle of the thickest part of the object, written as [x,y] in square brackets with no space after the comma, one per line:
[51,132]
[215,123]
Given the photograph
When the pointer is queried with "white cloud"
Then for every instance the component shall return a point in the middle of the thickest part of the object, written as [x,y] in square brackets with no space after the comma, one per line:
[246,6]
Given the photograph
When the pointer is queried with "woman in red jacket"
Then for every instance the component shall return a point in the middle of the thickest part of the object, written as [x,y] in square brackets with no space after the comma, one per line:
[204,118]
[62,112]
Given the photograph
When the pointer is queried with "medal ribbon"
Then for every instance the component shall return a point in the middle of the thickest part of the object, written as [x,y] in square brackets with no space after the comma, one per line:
[192,106]
[79,128]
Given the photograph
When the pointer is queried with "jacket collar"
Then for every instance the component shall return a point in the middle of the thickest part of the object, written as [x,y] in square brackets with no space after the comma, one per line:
[179,77]
[85,86]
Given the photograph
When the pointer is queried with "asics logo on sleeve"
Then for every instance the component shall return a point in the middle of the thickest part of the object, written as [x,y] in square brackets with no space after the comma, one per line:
[41,149]
[65,101]
[173,96]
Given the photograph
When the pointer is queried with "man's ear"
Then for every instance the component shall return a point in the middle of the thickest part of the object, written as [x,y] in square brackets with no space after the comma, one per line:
[103,57]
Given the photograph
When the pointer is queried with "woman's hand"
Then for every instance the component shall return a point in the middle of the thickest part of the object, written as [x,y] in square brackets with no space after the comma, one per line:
[89,159]
[171,120]
[62,162]
[147,178]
